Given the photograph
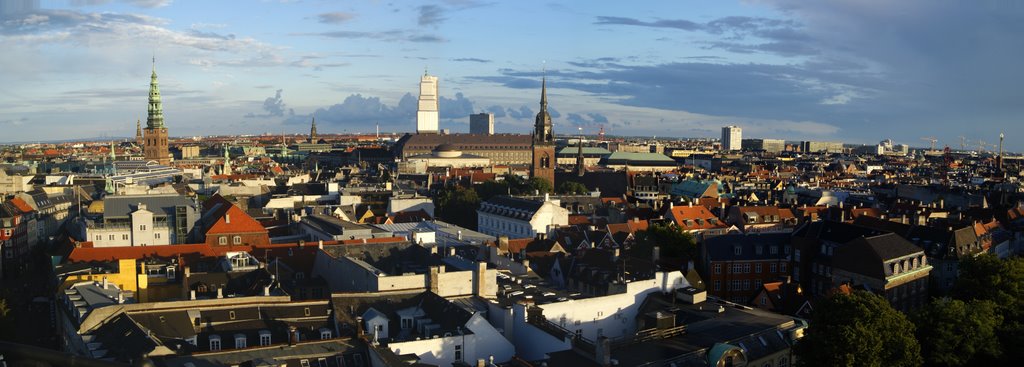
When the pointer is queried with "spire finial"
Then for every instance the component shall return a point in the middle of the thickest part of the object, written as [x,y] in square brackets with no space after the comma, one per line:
[425,73]
[154,61]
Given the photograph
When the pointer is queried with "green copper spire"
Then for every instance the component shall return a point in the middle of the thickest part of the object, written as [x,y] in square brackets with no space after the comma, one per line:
[155,120]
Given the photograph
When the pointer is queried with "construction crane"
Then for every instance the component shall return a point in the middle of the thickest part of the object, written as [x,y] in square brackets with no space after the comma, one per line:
[963,142]
[931,139]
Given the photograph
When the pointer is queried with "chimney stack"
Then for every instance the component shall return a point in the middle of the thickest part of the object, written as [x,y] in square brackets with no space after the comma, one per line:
[192,295]
[220,292]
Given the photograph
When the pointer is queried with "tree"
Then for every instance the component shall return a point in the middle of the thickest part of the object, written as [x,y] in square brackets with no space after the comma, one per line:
[957,333]
[491,188]
[458,206]
[858,329]
[7,327]
[671,239]
[572,188]
[541,185]
[987,277]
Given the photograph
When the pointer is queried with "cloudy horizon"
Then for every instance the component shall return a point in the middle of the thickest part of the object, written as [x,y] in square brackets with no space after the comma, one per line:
[857,71]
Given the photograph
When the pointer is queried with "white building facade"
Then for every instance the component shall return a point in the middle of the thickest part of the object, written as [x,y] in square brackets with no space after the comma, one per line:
[426,112]
[732,138]
[520,218]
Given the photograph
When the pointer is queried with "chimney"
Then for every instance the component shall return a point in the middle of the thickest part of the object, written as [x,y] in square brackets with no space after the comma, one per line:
[320,244]
[120,297]
[293,336]
[220,292]
[480,280]
[359,326]
[227,218]
[432,281]
[503,243]
[192,295]
[266,290]
[104,282]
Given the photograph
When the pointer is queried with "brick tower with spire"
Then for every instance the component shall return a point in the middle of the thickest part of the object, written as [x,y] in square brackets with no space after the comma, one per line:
[154,136]
[543,141]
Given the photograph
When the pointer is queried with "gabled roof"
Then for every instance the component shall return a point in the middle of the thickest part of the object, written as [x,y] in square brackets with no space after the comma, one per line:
[695,217]
[867,255]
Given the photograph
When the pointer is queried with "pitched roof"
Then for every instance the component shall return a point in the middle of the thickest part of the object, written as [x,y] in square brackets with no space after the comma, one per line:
[695,217]
[867,255]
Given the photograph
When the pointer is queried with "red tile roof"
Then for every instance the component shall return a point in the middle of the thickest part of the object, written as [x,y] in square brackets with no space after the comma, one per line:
[695,217]
[22,205]
[240,222]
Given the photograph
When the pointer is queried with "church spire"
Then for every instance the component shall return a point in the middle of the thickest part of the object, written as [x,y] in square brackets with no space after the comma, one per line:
[312,132]
[138,132]
[155,118]
[542,125]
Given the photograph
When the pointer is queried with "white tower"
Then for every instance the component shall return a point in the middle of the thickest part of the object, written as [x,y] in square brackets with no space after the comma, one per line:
[732,137]
[426,113]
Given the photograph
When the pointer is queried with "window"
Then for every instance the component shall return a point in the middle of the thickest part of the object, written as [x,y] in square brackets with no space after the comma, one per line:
[214,342]
[746,284]
[306,311]
[759,250]
[325,333]
[774,250]
[746,268]
[782,267]
[239,341]
[237,240]
[737,250]
[764,300]
[458,352]
[321,362]
[264,338]
[718,268]
[771,268]
[718,285]
[737,268]
[170,272]
[757,268]
[783,362]
[142,227]
[231,315]
[304,363]
[735,286]
[124,237]
[222,240]
[110,237]
[156,235]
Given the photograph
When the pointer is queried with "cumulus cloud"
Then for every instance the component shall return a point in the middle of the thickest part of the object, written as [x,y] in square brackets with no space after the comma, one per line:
[522,112]
[273,107]
[357,110]
[498,111]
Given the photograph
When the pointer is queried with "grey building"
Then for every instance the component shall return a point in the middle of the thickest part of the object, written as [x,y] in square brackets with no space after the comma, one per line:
[481,123]
[766,145]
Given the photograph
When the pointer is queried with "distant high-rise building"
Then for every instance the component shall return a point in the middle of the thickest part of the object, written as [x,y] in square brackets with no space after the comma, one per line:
[426,112]
[732,137]
[766,145]
[543,141]
[481,123]
[155,135]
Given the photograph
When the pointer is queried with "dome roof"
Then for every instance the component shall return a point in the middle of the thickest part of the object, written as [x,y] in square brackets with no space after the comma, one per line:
[446,147]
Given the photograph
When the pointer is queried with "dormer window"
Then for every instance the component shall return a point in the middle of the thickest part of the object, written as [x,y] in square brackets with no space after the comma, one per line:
[325,333]
[737,250]
[239,341]
[214,342]
[264,338]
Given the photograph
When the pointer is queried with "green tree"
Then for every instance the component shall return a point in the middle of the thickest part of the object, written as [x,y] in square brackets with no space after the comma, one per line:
[989,278]
[957,333]
[858,329]
[491,188]
[671,239]
[7,327]
[572,188]
[457,206]
[537,184]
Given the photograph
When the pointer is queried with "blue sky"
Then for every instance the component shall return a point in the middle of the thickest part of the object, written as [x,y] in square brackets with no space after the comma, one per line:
[850,70]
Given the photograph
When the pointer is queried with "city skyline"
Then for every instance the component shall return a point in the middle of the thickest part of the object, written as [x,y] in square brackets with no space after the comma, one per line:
[851,71]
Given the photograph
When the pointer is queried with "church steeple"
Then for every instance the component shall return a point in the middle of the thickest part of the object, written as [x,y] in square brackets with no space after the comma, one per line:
[542,125]
[312,132]
[138,132]
[155,118]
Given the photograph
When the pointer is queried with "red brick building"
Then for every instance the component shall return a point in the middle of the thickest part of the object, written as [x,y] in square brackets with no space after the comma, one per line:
[225,224]
[737,265]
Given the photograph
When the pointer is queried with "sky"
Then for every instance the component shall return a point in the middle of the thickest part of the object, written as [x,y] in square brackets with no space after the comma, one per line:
[856,71]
